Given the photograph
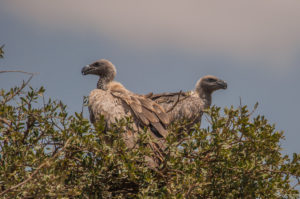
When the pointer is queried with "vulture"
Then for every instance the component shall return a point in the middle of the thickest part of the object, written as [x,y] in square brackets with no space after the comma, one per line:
[114,102]
[189,105]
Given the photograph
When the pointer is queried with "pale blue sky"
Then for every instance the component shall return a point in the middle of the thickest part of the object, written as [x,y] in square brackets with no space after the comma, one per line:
[161,46]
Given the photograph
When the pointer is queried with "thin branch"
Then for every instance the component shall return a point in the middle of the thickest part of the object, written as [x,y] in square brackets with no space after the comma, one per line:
[208,120]
[17,71]
[254,109]
[240,107]
[175,102]
[24,84]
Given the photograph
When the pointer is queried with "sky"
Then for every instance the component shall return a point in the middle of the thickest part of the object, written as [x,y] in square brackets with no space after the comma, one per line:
[160,46]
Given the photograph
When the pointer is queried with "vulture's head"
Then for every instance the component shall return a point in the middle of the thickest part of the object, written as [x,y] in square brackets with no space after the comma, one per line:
[102,68]
[210,84]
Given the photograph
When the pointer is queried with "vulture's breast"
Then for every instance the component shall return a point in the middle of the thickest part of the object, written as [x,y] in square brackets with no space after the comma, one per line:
[104,103]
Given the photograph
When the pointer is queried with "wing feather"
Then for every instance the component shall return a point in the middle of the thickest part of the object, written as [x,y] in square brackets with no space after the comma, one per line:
[150,115]
[162,131]
[147,111]
[156,109]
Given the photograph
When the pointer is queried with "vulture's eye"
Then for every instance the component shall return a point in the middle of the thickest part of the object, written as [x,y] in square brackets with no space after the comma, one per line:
[211,80]
[96,64]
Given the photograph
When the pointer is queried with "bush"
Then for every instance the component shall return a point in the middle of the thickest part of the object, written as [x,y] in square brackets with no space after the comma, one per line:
[48,153]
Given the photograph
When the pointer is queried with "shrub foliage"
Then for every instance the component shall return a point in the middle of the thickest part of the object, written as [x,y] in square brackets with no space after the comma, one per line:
[47,153]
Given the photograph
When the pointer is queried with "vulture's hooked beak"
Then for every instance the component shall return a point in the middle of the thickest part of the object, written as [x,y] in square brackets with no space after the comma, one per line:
[222,84]
[85,70]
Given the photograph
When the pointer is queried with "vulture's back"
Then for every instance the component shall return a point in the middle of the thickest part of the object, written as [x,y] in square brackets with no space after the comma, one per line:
[180,105]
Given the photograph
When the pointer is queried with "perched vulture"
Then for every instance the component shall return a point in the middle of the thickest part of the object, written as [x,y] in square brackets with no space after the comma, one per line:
[189,105]
[114,102]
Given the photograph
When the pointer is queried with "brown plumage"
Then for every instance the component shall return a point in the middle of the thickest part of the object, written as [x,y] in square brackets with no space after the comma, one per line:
[189,105]
[114,102]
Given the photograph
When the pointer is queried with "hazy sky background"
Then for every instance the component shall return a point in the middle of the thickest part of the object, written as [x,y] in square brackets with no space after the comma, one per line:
[161,45]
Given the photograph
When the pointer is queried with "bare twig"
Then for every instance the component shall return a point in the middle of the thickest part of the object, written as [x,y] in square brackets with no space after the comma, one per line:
[17,71]
[240,107]
[254,109]
[175,102]
[208,119]
[24,84]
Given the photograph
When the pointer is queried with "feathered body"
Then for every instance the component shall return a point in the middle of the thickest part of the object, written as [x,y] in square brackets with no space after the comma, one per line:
[114,102]
[117,103]
[189,105]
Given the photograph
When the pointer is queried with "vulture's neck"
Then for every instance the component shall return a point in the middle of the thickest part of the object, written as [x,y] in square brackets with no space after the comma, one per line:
[103,82]
[205,96]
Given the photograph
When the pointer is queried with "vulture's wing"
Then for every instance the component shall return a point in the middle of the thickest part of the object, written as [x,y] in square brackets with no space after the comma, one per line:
[92,116]
[168,98]
[148,112]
